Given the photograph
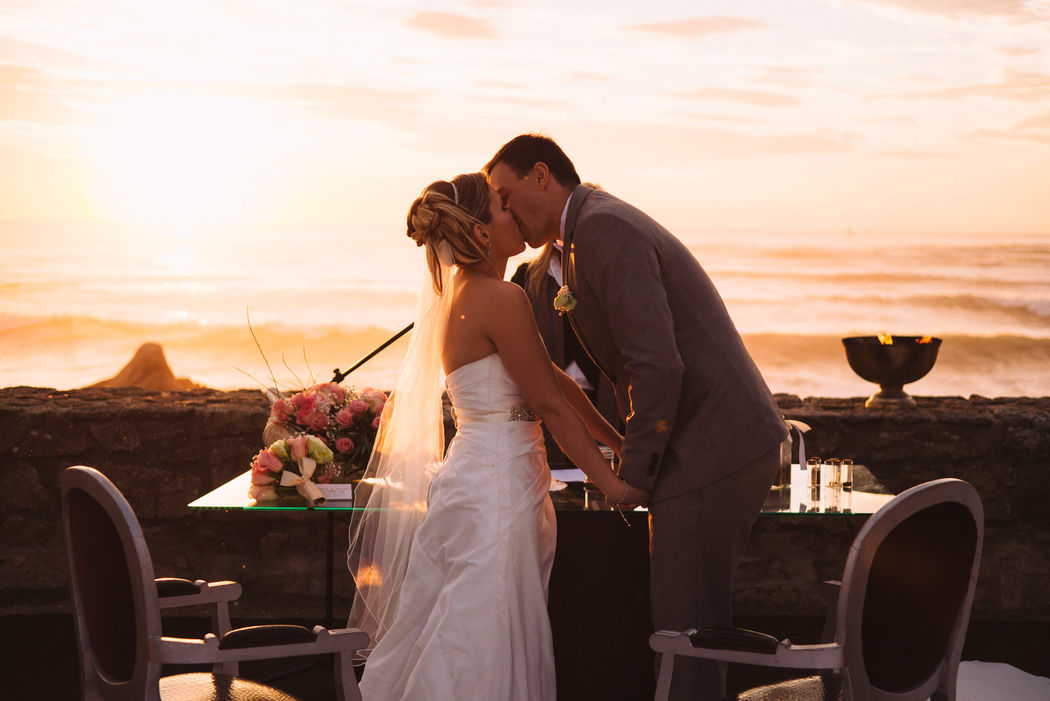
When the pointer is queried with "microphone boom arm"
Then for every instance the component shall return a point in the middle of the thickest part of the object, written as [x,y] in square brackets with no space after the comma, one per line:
[339,376]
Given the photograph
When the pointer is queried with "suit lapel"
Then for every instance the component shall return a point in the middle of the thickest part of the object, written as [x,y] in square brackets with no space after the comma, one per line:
[568,258]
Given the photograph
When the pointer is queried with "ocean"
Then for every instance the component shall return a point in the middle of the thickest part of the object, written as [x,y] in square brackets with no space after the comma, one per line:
[77,301]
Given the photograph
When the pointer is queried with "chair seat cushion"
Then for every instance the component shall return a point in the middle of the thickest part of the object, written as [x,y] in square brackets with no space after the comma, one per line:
[260,636]
[202,686]
[816,688]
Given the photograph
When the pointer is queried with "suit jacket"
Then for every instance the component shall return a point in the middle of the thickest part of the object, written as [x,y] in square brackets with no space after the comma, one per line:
[564,348]
[696,406]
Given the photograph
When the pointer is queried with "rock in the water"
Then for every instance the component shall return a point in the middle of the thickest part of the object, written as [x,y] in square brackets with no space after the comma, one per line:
[148,370]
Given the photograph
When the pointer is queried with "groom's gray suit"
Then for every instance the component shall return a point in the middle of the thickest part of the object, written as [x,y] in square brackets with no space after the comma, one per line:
[703,432]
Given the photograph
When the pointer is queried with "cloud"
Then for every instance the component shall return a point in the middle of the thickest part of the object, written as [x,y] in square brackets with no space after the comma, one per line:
[1016,50]
[700,26]
[28,94]
[1012,135]
[1040,122]
[1036,129]
[748,97]
[889,119]
[1019,86]
[524,101]
[692,144]
[726,118]
[450,26]
[501,85]
[916,154]
[956,9]
[784,75]
[589,77]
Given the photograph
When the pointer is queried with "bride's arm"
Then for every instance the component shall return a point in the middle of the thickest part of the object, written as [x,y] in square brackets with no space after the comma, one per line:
[600,429]
[511,326]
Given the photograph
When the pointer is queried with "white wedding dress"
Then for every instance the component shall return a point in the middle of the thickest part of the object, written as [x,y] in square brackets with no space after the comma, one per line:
[472,621]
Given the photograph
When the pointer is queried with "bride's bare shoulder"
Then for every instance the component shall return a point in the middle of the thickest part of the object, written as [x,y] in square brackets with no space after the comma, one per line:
[490,291]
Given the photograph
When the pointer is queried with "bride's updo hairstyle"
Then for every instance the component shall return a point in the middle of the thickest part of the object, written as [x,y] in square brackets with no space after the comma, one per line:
[447,211]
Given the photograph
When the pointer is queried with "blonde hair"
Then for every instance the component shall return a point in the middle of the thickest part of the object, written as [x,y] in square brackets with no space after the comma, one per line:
[447,210]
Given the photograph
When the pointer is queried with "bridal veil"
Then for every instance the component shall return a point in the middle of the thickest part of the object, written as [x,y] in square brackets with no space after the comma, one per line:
[391,499]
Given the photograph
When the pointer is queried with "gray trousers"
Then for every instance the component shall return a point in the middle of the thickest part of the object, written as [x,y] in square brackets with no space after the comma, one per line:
[696,540]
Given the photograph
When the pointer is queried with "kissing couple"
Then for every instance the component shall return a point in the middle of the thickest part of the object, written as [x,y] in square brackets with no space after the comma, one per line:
[452,552]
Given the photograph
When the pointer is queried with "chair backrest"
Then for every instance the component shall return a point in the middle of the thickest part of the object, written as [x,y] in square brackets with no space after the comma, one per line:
[907,590]
[114,596]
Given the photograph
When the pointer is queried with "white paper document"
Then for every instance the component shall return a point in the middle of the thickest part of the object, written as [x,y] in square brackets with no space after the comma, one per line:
[571,475]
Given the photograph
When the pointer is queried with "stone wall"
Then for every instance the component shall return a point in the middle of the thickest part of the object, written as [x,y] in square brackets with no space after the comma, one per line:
[163,450]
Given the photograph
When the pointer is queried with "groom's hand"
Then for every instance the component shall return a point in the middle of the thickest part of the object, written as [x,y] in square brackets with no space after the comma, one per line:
[635,497]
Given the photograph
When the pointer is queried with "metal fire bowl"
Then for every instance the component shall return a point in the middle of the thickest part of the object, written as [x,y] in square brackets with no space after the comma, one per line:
[891,366]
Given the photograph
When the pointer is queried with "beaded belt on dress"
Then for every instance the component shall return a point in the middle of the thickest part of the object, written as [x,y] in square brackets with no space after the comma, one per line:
[518,412]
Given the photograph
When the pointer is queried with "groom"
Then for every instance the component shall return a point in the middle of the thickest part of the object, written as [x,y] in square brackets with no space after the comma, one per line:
[702,431]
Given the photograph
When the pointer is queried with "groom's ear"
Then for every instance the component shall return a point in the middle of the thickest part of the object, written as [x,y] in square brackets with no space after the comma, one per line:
[542,174]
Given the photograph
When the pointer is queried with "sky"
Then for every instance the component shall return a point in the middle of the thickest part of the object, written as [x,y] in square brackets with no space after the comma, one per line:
[794,115]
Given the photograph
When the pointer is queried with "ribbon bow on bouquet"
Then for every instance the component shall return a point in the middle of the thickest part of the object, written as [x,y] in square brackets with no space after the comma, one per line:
[289,463]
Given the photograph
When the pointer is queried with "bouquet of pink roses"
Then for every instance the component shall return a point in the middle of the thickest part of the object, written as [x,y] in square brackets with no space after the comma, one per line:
[344,421]
[287,467]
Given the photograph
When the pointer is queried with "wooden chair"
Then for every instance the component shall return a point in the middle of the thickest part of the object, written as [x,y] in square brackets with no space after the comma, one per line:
[901,614]
[117,602]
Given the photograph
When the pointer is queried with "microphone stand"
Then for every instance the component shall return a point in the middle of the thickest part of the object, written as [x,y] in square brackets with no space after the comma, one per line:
[339,376]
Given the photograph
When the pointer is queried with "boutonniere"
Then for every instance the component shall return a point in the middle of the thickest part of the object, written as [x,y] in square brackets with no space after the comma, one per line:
[565,301]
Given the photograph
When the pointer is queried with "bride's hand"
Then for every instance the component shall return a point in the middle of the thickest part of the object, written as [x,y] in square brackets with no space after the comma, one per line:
[632,498]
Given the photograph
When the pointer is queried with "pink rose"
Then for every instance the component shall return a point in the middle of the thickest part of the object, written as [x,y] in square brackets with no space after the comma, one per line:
[306,404]
[263,477]
[344,445]
[281,411]
[317,421]
[324,478]
[376,421]
[297,447]
[375,397]
[267,460]
[337,393]
[344,417]
[359,406]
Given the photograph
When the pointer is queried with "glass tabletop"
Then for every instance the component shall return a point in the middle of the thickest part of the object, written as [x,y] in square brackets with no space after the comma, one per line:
[234,495]
[798,499]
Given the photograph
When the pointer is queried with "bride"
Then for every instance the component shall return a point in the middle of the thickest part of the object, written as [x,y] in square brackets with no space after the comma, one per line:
[452,557]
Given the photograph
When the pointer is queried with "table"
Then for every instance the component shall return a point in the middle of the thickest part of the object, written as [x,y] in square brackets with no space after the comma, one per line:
[601,567]
[233,496]
[599,586]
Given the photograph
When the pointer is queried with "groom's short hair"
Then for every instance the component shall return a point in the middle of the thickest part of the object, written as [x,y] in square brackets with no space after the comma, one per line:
[523,152]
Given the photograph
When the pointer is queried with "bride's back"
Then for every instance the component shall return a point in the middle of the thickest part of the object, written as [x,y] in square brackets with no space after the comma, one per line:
[476,300]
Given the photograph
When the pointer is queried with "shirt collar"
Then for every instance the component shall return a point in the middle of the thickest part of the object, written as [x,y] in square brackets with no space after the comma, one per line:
[564,214]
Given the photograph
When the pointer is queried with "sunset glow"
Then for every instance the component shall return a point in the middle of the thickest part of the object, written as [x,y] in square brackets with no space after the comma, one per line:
[875,115]
[840,168]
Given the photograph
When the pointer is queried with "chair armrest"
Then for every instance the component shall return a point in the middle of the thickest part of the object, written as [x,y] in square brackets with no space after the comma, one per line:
[173,592]
[829,590]
[207,650]
[734,639]
[734,648]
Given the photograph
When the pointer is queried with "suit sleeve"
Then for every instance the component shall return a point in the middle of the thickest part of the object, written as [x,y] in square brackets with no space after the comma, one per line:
[623,269]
